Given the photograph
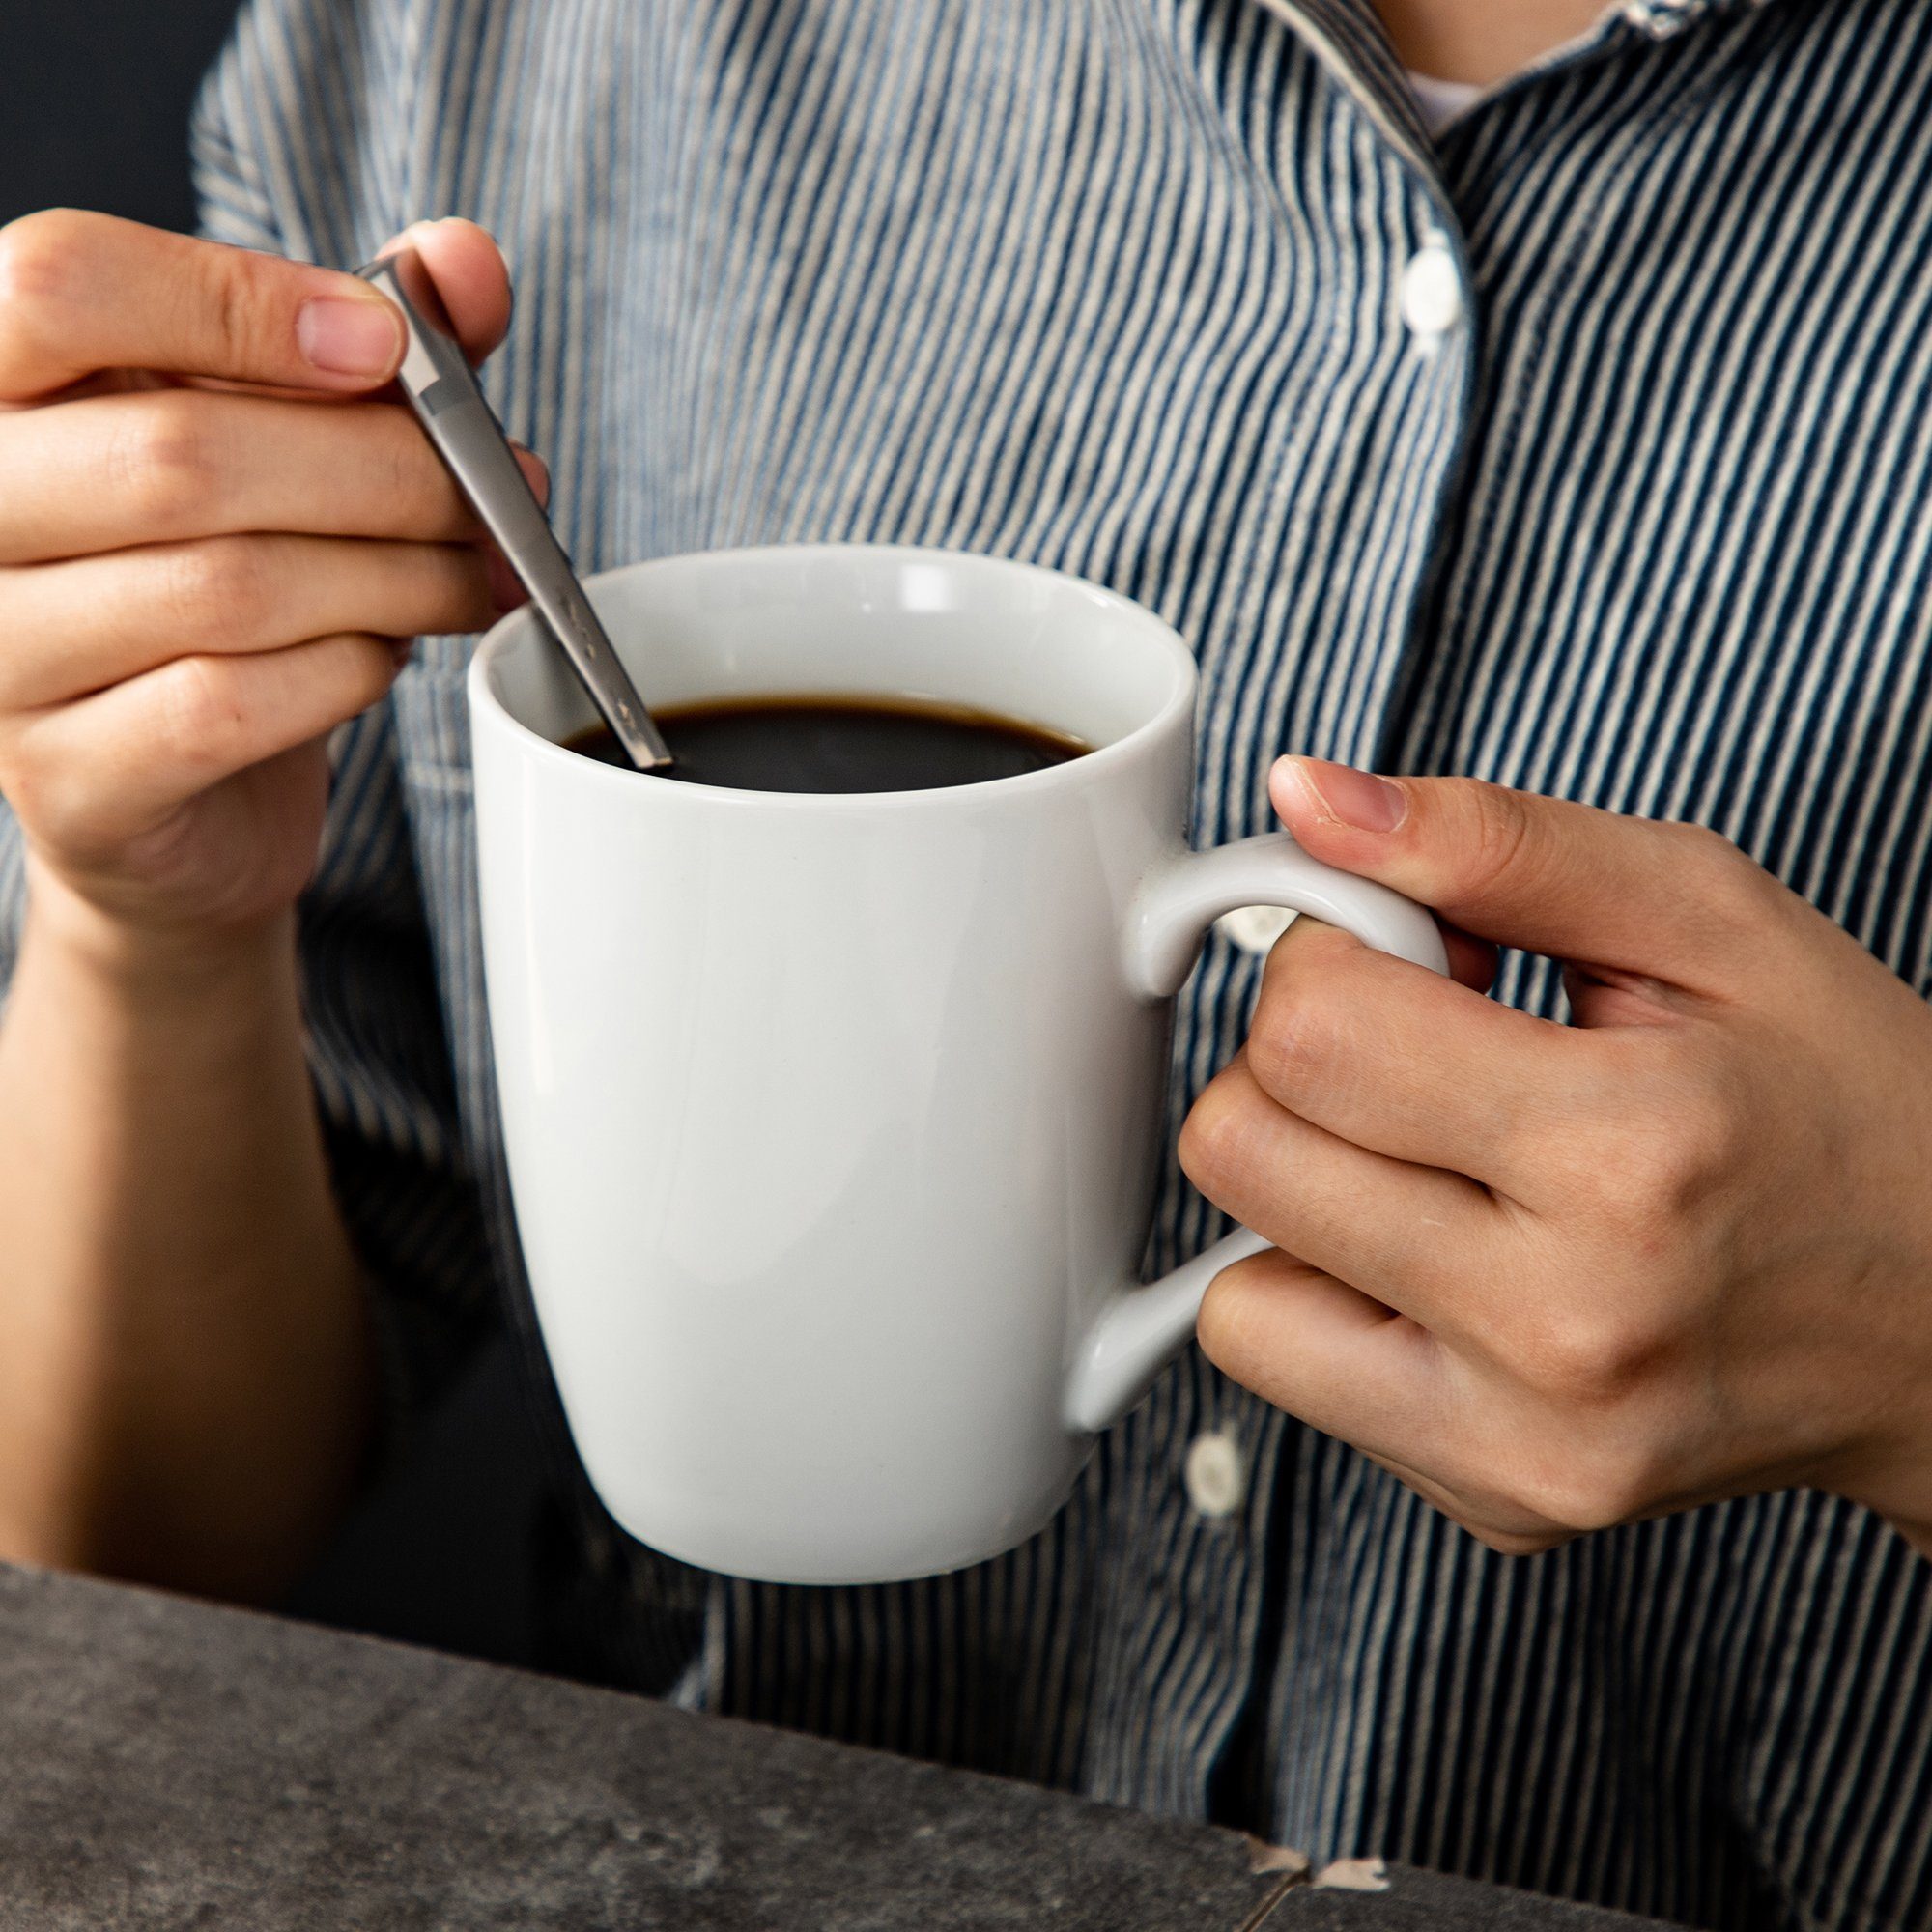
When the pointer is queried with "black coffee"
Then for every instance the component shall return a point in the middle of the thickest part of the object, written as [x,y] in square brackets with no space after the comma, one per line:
[842,744]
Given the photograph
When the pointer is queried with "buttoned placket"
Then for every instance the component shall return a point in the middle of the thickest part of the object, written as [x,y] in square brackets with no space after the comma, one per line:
[1237,1470]
[1232,1466]
[1428,298]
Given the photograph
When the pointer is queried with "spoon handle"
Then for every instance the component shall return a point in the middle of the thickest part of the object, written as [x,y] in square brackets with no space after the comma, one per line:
[436,376]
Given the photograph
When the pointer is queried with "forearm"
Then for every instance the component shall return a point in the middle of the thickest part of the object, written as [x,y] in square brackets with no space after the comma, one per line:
[185,1377]
[183,1364]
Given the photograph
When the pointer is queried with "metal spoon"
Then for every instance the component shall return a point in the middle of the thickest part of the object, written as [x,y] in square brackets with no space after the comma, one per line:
[437,379]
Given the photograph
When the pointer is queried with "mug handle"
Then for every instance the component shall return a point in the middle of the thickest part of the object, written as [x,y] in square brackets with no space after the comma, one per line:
[1142,1328]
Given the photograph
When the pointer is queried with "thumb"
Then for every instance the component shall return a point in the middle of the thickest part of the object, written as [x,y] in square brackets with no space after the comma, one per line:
[1633,895]
[470,275]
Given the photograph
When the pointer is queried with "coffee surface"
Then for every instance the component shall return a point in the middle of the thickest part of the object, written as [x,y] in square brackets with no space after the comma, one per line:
[837,744]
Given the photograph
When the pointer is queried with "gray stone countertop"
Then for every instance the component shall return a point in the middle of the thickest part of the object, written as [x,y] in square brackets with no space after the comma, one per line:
[168,1764]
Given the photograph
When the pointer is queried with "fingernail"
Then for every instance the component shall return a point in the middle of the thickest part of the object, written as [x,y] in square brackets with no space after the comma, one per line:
[349,337]
[1350,797]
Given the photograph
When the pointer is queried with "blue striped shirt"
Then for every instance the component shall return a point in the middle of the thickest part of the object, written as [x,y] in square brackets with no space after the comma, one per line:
[1636,510]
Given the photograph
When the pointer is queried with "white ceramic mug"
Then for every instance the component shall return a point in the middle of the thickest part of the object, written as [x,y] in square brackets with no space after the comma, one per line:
[832,1120]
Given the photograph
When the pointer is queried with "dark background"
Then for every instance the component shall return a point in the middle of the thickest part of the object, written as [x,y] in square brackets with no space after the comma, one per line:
[94,100]
[94,107]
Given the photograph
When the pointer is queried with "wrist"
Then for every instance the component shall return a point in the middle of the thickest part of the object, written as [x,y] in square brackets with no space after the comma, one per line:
[161,966]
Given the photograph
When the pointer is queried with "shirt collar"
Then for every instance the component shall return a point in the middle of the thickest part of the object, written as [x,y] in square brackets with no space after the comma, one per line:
[1663,17]
[1348,39]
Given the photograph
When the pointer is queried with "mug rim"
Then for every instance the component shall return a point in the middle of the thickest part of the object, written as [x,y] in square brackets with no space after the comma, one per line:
[1090,766]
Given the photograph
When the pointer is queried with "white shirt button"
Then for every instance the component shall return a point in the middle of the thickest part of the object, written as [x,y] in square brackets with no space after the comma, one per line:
[1429,293]
[1254,928]
[1216,1474]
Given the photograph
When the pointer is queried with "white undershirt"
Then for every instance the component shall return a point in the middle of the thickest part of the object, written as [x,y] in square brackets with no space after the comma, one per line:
[1446,102]
[1442,100]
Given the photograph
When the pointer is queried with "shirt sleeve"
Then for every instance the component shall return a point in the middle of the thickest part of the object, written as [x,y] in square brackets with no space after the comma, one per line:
[385,1089]
[231,198]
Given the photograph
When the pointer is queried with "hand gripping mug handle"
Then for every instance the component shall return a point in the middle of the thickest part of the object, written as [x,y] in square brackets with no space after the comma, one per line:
[1141,1329]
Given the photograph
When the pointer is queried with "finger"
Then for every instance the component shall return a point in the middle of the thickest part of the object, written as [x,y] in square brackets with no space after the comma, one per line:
[471,280]
[68,628]
[471,276]
[1504,1527]
[1345,1365]
[1472,961]
[505,585]
[1338,1359]
[1673,902]
[167,465]
[81,292]
[1401,1061]
[92,776]
[1415,1238]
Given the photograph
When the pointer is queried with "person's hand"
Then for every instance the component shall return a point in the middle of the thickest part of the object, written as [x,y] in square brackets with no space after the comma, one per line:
[212,537]
[1559,1278]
